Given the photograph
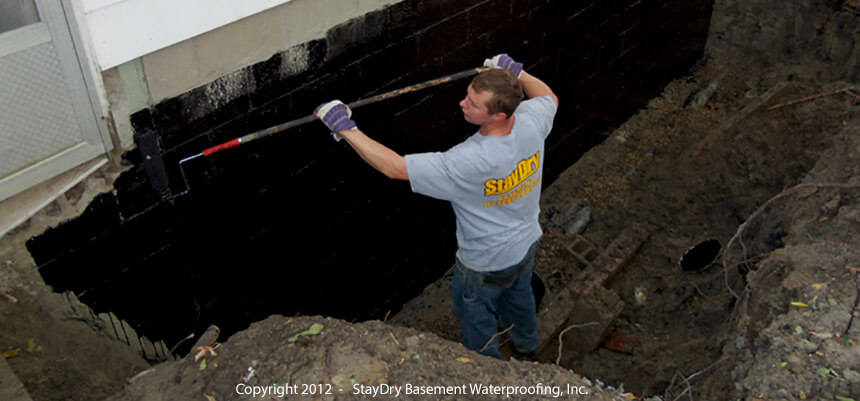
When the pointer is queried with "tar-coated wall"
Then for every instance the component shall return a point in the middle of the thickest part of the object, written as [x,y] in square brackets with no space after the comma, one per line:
[297,223]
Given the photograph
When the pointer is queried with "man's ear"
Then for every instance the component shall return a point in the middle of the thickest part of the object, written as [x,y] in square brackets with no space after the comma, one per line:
[500,116]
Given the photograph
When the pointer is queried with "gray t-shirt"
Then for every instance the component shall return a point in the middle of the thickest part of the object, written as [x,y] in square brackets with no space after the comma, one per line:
[493,183]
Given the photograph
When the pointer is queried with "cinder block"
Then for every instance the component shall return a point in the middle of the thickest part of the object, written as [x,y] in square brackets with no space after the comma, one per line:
[201,169]
[402,19]
[522,8]
[203,107]
[239,44]
[141,120]
[148,349]
[357,36]
[553,314]
[76,235]
[432,12]
[488,16]
[322,90]
[171,71]
[112,329]
[366,6]
[591,315]
[389,64]
[629,37]
[440,39]
[339,11]
[297,25]
[627,17]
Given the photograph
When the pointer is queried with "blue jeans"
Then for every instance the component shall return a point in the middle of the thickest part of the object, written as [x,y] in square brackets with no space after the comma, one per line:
[480,298]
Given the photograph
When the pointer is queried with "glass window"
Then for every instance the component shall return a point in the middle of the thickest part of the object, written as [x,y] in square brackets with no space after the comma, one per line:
[17,13]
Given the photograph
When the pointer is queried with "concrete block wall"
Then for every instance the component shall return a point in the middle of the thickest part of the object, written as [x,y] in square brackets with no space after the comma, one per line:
[297,223]
[186,65]
[174,70]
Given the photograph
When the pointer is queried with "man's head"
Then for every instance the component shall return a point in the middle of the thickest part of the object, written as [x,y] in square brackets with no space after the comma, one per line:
[493,95]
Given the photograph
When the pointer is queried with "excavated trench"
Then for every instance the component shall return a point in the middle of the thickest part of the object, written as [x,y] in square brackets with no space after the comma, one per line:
[296,223]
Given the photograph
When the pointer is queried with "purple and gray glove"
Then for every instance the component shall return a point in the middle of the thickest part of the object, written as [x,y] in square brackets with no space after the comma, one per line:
[506,62]
[335,115]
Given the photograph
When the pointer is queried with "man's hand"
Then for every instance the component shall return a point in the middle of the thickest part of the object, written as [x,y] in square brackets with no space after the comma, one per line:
[506,62]
[336,116]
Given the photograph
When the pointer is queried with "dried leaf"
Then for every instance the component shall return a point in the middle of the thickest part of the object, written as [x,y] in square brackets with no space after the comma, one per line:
[11,353]
[201,352]
[9,297]
[825,218]
[798,329]
[202,364]
[800,304]
[209,397]
[629,396]
[464,359]
[817,286]
[821,335]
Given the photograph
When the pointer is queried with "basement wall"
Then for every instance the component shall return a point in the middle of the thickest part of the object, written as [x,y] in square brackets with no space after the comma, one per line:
[298,223]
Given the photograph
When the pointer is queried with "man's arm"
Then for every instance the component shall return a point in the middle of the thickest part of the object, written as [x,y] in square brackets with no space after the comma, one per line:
[531,85]
[379,156]
[336,116]
[534,87]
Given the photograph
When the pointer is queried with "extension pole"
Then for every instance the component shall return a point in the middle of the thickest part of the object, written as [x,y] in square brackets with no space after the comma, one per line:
[301,121]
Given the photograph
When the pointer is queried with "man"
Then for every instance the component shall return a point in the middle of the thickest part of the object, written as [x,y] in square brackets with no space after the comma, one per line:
[492,180]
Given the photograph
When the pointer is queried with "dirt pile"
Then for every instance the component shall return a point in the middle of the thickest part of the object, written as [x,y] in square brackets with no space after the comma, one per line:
[689,174]
[49,340]
[795,332]
[329,359]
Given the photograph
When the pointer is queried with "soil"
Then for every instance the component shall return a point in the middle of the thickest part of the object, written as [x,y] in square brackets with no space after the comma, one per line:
[773,318]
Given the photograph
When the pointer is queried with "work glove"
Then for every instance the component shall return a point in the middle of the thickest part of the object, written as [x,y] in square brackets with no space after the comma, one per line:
[506,62]
[335,115]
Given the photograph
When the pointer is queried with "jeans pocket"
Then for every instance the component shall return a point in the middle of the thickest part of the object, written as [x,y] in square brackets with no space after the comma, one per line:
[470,298]
[471,293]
[470,290]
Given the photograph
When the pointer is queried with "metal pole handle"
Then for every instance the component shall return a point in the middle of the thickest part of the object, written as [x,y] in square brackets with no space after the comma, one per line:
[301,121]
